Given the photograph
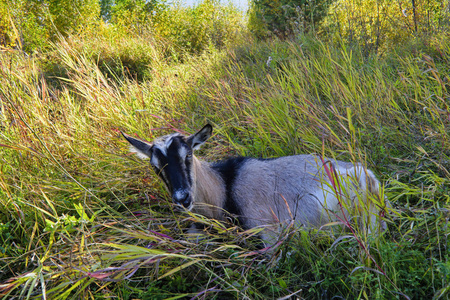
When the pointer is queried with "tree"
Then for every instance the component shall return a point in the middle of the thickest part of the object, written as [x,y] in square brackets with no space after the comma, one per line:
[72,15]
[29,24]
[285,17]
[105,9]
[382,24]
[23,24]
[134,14]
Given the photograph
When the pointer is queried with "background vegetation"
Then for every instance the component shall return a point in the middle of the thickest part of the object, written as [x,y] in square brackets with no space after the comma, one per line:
[82,218]
[285,17]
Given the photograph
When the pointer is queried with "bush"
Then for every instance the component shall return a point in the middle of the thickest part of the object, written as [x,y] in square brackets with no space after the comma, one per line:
[185,29]
[135,15]
[30,25]
[285,17]
[194,29]
[120,54]
[22,25]
[380,25]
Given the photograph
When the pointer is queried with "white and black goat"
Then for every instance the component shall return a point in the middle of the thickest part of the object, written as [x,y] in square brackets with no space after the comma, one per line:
[303,189]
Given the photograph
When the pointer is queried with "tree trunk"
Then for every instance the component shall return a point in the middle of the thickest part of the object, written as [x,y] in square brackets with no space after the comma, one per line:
[414,14]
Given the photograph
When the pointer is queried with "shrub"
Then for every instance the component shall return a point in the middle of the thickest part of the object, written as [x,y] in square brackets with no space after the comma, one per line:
[30,25]
[22,25]
[135,15]
[193,29]
[285,17]
[380,24]
[120,54]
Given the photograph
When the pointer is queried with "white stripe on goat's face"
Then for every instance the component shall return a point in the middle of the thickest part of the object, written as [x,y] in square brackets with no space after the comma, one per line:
[171,158]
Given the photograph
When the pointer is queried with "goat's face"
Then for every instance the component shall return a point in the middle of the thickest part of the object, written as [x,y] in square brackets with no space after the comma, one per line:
[171,156]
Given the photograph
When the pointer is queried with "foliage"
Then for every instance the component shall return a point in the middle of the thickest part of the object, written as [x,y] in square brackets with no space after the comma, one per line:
[80,217]
[382,24]
[30,24]
[119,54]
[135,14]
[105,9]
[285,17]
[22,24]
[33,25]
[6,30]
[185,29]
[72,15]
[122,51]
[194,29]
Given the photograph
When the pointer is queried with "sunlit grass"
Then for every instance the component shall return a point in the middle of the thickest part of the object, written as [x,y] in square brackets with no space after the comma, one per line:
[81,216]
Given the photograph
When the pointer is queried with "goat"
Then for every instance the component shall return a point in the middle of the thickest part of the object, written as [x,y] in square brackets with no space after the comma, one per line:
[304,188]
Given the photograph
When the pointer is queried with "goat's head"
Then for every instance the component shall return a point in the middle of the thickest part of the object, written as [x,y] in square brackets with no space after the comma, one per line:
[172,159]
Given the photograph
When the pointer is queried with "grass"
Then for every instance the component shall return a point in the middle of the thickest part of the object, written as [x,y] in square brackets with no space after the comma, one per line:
[82,218]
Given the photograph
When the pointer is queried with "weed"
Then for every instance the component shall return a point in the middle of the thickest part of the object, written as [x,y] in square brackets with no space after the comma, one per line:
[81,217]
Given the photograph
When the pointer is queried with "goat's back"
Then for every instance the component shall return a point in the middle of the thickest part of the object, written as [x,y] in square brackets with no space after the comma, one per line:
[267,191]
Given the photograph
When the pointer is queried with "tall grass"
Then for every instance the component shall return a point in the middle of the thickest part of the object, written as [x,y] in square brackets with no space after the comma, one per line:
[82,218]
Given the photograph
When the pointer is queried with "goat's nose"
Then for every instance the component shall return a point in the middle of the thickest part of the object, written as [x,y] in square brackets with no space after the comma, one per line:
[186,201]
[182,198]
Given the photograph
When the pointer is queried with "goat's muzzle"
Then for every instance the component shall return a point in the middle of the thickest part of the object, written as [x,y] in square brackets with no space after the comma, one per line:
[182,198]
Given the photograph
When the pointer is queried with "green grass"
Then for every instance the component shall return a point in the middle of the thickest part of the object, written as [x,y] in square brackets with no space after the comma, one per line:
[82,218]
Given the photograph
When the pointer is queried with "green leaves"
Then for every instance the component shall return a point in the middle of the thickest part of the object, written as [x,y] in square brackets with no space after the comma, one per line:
[380,25]
[285,17]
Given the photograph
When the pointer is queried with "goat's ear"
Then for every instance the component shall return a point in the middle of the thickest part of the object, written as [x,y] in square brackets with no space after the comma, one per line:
[197,139]
[141,148]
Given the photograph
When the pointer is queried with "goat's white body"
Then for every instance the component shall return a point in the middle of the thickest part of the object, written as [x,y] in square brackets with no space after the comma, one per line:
[292,188]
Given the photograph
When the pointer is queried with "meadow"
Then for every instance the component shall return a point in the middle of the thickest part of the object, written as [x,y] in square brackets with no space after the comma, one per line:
[81,217]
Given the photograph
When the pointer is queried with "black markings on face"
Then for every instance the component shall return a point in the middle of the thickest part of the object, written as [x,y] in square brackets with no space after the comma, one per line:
[159,163]
[172,161]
